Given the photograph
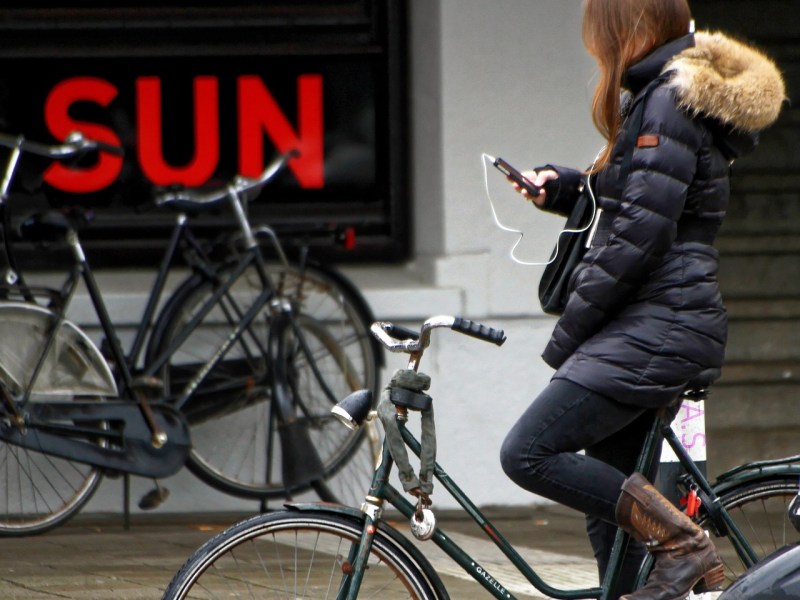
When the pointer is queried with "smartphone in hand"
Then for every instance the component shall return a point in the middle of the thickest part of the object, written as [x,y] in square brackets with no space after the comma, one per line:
[509,171]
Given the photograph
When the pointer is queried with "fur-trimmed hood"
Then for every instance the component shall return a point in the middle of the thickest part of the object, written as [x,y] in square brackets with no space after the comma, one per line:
[729,81]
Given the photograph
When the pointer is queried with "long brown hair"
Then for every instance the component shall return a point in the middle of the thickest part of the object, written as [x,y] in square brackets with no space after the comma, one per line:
[618,33]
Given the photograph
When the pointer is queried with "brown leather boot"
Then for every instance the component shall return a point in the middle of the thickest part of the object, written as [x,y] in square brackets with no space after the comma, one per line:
[683,552]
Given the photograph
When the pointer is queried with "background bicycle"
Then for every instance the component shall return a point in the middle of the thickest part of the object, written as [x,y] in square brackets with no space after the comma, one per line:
[246,357]
[316,551]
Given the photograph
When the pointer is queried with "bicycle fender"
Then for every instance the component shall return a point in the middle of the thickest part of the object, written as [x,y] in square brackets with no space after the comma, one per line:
[752,472]
[386,529]
[73,365]
[774,577]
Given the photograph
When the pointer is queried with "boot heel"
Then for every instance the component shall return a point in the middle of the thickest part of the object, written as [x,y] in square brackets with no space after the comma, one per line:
[712,579]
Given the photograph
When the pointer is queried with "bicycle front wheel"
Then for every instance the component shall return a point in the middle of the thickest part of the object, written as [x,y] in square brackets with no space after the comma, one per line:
[759,509]
[235,440]
[296,555]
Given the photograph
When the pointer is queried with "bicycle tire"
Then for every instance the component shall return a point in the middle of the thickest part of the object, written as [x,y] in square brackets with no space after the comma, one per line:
[296,555]
[234,442]
[41,491]
[759,509]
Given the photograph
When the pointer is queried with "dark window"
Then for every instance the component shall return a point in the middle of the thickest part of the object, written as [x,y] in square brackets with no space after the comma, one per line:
[197,95]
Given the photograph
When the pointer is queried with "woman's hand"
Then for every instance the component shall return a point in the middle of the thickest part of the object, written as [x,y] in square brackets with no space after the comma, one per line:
[539,180]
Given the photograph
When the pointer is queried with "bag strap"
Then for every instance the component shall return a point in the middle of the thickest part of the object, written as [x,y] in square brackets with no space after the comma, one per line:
[632,134]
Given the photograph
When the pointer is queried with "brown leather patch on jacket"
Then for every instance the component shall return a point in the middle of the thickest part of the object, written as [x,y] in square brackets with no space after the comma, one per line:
[647,141]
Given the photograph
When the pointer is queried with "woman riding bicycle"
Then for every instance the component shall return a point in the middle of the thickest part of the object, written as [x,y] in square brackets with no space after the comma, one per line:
[644,317]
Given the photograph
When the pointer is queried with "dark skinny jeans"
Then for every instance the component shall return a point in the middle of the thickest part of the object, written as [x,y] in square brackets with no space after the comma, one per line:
[541,455]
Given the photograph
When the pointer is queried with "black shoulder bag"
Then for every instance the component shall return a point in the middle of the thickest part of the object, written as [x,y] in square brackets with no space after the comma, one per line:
[577,235]
[571,246]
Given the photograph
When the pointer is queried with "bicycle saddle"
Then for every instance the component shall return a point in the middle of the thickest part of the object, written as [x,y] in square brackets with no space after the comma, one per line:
[180,198]
[697,388]
[48,226]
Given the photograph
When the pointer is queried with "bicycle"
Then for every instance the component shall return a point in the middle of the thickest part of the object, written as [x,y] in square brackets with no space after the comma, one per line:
[234,376]
[318,551]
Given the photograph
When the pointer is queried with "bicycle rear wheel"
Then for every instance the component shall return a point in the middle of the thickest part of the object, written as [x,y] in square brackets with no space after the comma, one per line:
[296,555]
[231,417]
[317,373]
[759,509]
[40,491]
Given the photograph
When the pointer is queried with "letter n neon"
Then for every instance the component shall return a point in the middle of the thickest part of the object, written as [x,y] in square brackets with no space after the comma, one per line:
[259,113]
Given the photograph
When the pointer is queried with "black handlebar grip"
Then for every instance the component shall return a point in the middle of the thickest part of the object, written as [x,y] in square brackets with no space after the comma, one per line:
[482,332]
[399,332]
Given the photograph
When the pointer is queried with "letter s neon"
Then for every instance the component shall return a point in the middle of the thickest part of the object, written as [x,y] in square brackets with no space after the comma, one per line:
[58,121]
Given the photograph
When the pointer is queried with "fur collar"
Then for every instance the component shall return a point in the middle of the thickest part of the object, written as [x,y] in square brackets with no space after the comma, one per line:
[728,81]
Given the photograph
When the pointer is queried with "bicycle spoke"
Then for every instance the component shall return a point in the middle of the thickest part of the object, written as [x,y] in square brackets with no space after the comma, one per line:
[759,509]
[41,490]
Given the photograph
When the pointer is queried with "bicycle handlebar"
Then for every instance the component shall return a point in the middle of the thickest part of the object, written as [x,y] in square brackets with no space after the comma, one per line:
[399,339]
[75,144]
[194,198]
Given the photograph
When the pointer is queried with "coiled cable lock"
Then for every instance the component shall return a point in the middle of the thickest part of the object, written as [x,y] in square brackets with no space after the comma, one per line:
[406,392]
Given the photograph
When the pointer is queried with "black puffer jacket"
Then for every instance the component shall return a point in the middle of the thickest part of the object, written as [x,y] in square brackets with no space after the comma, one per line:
[645,314]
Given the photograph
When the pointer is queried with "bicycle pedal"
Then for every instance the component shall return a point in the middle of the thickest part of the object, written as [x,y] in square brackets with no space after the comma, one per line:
[154,498]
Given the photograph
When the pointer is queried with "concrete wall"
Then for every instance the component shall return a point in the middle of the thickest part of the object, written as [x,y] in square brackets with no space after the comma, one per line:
[504,77]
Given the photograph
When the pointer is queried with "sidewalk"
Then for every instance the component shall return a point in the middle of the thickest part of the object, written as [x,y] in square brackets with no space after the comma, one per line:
[95,557]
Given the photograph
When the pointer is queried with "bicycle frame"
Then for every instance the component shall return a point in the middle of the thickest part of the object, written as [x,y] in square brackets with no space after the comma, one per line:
[382,491]
[242,319]
[126,364]
[710,501]
[130,385]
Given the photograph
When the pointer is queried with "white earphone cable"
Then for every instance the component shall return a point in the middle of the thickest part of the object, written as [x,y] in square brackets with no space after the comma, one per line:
[485,159]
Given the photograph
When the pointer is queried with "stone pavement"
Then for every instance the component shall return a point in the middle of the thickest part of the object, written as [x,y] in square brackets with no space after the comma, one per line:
[96,557]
